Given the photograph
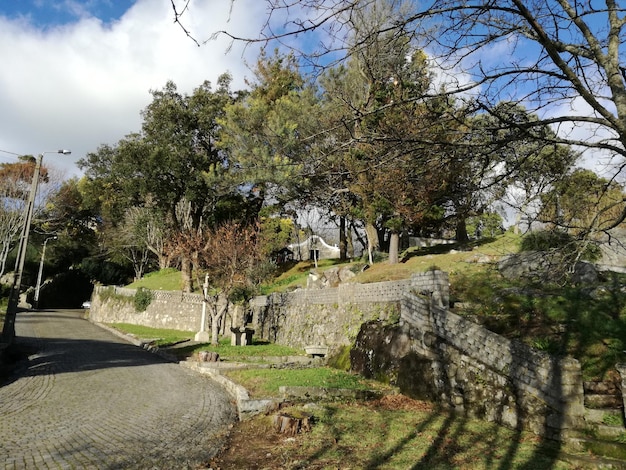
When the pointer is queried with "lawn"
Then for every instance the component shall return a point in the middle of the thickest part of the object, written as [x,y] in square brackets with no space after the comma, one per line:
[393,433]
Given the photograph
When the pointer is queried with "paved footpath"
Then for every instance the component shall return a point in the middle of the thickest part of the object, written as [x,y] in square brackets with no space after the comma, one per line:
[87,399]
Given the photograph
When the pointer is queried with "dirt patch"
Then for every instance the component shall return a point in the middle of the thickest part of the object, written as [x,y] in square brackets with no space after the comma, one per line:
[254,445]
[401,402]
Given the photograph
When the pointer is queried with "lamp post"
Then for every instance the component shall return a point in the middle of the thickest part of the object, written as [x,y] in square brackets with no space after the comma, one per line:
[43,255]
[8,330]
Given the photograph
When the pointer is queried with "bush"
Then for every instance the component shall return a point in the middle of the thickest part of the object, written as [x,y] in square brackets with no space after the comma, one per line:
[241,294]
[143,298]
[546,240]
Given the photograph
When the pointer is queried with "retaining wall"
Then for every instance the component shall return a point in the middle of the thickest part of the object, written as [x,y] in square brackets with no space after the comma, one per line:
[333,316]
[403,330]
[487,375]
[171,310]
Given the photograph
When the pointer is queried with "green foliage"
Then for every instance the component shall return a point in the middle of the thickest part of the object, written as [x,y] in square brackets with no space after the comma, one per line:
[106,272]
[545,240]
[142,299]
[276,233]
[613,419]
[549,345]
[485,225]
[567,244]
[581,200]
[241,294]
[108,294]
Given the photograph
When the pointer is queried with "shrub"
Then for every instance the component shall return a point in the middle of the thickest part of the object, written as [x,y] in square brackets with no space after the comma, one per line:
[143,298]
[546,240]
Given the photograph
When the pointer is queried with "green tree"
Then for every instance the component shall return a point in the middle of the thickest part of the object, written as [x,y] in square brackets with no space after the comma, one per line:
[381,115]
[582,203]
[74,221]
[267,133]
[174,159]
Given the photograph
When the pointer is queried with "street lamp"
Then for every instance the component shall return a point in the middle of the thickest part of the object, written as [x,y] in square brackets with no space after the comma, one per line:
[8,331]
[43,255]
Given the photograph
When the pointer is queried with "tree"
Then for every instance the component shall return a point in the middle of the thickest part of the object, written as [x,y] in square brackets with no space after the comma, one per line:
[268,133]
[131,239]
[580,200]
[563,59]
[15,185]
[175,158]
[500,158]
[74,221]
[382,126]
[228,254]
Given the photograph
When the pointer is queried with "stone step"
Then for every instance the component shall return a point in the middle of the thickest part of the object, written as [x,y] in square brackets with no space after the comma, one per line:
[604,416]
[594,400]
[612,450]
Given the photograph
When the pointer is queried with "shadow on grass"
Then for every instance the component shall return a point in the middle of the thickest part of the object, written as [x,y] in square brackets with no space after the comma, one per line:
[442,249]
[371,438]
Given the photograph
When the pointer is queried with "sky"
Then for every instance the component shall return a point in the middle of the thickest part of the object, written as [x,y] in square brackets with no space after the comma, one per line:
[75,74]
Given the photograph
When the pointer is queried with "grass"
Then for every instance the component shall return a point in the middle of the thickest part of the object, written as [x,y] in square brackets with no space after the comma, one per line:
[262,383]
[392,433]
[165,338]
[159,336]
[166,279]
[259,382]
[258,350]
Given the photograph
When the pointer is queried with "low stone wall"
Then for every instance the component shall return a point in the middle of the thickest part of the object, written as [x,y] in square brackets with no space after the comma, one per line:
[171,310]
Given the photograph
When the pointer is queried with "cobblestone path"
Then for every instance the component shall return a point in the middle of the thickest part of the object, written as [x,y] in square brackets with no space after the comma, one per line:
[86,399]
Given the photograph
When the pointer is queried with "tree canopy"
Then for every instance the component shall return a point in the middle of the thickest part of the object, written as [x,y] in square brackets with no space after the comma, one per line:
[564,61]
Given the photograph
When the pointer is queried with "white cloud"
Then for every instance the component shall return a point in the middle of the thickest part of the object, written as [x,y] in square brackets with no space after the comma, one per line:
[83,84]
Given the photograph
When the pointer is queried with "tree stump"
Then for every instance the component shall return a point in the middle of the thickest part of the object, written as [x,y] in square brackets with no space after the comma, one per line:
[208,356]
[292,425]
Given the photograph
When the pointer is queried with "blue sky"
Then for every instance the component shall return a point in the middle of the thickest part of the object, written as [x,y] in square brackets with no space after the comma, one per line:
[46,13]
[76,74]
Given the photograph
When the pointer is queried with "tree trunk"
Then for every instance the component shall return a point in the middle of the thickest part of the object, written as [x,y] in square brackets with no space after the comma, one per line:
[349,242]
[372,240]
[216,320]
[343,246]
[394,244]
[185,272]
[461,231]
[291,425]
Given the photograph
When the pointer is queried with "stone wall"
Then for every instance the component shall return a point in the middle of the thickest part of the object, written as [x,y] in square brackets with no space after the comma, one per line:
[435,354]
[171,310]
[332,317]
[401,331]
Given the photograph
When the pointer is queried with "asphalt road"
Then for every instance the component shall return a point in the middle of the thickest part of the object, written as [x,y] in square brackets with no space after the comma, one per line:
[87,399]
